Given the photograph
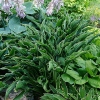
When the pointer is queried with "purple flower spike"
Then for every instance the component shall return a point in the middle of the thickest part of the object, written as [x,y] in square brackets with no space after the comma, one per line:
[54,4]
[6,6]
[21,13]
[20,8]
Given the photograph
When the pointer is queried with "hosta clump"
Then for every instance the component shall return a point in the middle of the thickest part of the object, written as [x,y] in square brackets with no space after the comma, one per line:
[44,58]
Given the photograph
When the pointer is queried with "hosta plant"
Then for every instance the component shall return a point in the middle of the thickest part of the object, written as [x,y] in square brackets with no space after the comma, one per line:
[47,54]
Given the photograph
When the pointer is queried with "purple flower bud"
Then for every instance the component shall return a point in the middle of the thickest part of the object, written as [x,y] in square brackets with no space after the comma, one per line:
[54,4]
[21,14]
[20,8]
[6,6]
[20,11]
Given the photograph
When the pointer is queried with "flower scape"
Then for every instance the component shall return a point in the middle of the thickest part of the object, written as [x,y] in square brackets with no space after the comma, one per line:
[7,5]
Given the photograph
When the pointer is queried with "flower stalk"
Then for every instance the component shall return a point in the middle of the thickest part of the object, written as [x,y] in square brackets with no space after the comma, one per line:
[7,5]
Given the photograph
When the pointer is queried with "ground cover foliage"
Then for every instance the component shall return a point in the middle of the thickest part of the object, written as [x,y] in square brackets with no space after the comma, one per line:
[50,57]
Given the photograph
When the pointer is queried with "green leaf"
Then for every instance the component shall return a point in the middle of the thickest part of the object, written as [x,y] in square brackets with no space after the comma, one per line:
[98,60]
[32,19]
[88,55]
[5,30]
[48,96]
[9,89]
[11,52]
[54,90]
[2,84]
[93,49]
[59,22]
[94,82]
[59,97]
[74,24]
[64,88]
[21,85]
[81,81]
[67,78]
[82,92]
[53,65]
[73,74]
[90,68]
[29,8]
[20,50]
[97,41]
[45,55]
[11,68]
[72,96]
[45,86]
[74,55]
[80,62]
[89,95]
[14,25]
[20,96]
[3,52]
[45,97]
[99,98]
[61,61]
